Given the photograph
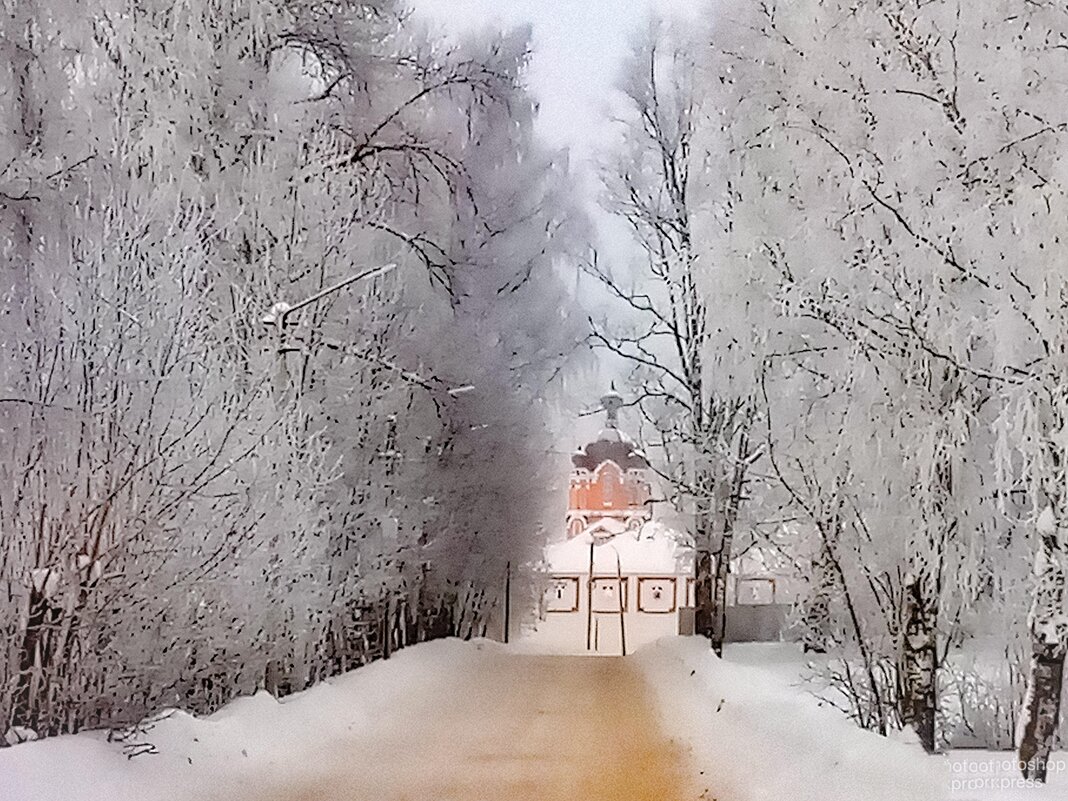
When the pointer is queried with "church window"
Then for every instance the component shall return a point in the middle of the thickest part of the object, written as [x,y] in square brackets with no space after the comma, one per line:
[656,595]
[609,481]
[562,595]
[606,595]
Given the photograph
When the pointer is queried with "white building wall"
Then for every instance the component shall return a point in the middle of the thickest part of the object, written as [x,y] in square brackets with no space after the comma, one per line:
[567,627]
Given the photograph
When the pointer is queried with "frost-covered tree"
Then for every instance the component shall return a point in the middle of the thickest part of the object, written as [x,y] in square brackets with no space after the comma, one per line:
[196,504]
[701,425]
[892,167]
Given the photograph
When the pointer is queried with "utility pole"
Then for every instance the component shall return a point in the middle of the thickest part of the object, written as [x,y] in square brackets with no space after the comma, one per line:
[622,608]
[507,601]
[277,317]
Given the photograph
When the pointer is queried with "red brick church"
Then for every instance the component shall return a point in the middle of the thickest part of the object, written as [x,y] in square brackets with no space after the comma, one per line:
[619,579]
[609,480]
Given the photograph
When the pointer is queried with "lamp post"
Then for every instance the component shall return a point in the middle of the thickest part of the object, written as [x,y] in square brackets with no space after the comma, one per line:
[281,310]
[622,608]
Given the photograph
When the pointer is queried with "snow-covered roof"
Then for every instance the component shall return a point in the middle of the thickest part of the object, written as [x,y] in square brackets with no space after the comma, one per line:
[652,550]
[613,435]
[603,528]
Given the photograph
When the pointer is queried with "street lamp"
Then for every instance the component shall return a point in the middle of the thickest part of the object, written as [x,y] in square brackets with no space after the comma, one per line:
[281,310]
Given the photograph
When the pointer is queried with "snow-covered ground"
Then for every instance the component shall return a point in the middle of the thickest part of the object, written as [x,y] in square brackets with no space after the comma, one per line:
[449,721]
[774,679]
[748,728]
[248,748]
[757,738]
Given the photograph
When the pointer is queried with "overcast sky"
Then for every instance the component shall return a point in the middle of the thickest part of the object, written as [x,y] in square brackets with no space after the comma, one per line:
[579,46]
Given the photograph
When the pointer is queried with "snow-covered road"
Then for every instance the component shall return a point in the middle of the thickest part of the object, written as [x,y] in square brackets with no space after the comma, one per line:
[522,727]
[475,721]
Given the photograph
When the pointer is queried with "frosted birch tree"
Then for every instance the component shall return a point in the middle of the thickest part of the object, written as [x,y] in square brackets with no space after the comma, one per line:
[702,429]
[195,505]
[876,167]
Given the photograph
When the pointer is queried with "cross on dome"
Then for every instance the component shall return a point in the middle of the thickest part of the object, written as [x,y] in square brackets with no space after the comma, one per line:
[612,402]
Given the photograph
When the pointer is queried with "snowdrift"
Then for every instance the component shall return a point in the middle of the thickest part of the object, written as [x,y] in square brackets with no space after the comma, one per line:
[250,748]
[756,740]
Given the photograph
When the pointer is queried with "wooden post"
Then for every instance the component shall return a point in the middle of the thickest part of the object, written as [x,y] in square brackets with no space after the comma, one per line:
[387,634]
[589,602]
[507,600]
[622,608]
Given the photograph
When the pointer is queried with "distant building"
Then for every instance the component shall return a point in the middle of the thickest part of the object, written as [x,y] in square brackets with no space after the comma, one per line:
[641,571]
[610,478]
[618,574]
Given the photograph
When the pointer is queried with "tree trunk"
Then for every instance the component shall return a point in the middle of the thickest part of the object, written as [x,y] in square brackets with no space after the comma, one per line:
[704,535]
[31,662]
[728,507]
[704,594]
[1043,710]
[817,634]
[1049,643]
[272,677]
[719,595]
[919,664]
[36,662]
[385,623]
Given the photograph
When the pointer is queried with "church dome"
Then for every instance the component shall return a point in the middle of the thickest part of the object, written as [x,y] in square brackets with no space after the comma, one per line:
[610,446]
[610,483]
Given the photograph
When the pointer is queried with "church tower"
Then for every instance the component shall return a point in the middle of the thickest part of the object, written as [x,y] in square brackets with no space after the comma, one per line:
[609,479]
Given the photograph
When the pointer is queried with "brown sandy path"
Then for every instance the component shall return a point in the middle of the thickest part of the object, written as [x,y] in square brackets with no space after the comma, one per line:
[522,728]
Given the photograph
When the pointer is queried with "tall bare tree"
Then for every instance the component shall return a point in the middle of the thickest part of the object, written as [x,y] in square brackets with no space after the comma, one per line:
[888,159]
[665,329]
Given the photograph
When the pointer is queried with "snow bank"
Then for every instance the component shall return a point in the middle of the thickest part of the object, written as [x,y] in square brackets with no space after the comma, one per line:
[756,739]
[254,742]
[754,736]
[974,775]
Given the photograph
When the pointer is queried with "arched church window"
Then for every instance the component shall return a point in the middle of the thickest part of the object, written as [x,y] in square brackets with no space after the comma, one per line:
[610,485]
